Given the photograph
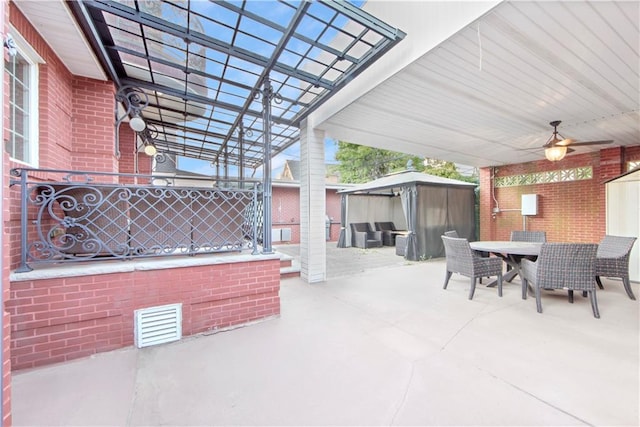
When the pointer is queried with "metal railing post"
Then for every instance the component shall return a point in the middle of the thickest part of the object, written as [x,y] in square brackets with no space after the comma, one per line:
[24,218]
[254,235]
[267,96]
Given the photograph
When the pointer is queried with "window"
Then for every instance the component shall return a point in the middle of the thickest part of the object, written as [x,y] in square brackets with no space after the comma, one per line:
[22,138]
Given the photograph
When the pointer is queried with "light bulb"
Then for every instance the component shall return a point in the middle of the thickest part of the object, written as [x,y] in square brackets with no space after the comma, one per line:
[555,153]
[137,123]
[150,150]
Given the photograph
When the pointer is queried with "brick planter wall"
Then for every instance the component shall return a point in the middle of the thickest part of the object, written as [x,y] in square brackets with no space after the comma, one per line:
[59,319]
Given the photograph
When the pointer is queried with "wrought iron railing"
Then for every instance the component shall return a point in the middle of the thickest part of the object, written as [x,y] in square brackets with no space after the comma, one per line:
[75,216]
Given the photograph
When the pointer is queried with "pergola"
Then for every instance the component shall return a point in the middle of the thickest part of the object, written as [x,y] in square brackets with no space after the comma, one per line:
[229,82]
[209,70]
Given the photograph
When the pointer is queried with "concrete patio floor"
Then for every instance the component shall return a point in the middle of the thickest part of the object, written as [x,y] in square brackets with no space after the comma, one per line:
[386,346]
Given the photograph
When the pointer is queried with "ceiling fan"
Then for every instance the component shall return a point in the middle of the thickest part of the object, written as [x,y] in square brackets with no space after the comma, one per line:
[557,146]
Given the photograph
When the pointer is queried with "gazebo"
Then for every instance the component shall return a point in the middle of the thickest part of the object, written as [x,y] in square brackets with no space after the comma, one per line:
[424,205]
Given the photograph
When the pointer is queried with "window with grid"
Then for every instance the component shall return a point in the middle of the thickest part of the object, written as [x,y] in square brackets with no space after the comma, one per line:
[22,141]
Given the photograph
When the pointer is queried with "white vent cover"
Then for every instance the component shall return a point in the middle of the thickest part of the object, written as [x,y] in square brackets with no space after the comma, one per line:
[157,325]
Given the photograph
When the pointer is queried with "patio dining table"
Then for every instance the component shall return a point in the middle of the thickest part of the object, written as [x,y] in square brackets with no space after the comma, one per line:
[511,252]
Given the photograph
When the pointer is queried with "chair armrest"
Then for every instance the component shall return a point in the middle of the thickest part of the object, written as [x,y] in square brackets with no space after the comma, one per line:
[377,235]
[487,266]
[360,239]
[491,262]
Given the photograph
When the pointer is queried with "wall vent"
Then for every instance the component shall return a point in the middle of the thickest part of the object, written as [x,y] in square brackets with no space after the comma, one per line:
[158,325]
[286,235]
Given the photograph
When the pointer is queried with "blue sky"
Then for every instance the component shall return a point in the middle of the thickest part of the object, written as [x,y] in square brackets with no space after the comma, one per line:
[291,153]
[278,13]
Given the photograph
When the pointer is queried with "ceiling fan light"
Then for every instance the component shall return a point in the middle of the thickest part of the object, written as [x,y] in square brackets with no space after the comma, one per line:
[555,153]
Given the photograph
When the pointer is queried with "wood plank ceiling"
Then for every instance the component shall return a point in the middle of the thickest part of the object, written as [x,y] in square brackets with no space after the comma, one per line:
[486,96]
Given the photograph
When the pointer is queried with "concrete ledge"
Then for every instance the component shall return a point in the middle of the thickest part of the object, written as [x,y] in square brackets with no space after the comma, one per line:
[126,266]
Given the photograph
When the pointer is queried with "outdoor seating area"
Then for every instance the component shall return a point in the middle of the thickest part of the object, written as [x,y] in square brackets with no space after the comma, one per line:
[400,206]
[542,266]
[389,232]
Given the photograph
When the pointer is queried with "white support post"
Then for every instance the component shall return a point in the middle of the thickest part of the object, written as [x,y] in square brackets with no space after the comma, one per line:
[313,246]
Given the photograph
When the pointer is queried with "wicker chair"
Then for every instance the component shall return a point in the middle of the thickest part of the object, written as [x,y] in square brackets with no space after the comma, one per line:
[528,236]
[388,238]
[570,266]
[451,233]
[462,260]
[363,236]
[612,260]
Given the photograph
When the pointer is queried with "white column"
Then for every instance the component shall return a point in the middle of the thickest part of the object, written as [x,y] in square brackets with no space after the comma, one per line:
[313,246]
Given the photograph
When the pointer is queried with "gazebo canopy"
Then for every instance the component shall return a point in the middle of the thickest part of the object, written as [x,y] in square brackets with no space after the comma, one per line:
[388,183]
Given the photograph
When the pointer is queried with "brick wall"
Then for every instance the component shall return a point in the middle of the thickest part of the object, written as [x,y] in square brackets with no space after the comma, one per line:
[130,157]
[55,320]
[76,120]
[285,211]
[5,246]
[55,96]
[93,126]
[572,211]
[333,210]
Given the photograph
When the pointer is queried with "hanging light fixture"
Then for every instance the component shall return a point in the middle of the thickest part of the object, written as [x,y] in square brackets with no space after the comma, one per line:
[134,100]
[148,137]
[556,147]
[555,153]
[136,122]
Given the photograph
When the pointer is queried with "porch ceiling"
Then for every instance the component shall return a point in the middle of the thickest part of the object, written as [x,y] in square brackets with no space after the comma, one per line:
[486,95]
[57,26]
[203,66]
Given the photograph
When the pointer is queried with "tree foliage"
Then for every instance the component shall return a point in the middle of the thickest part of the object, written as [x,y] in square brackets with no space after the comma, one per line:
[358,163]
[446,170]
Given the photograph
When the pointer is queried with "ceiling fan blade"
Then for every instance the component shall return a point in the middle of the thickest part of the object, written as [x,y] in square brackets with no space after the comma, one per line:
[565,142]
[577,144]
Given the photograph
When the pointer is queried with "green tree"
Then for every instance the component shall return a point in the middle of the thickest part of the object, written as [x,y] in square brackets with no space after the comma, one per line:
[358,163]
[446,170]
